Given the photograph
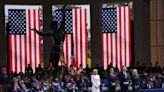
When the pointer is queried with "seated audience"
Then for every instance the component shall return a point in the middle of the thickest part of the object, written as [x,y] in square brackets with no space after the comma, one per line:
[84,80]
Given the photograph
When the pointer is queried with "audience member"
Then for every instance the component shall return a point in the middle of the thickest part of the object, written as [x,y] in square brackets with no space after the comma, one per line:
[29,70]
[124,79]
[72,70]
[112,80]
[4,79]
[95,79]
[136,81]
[50,70]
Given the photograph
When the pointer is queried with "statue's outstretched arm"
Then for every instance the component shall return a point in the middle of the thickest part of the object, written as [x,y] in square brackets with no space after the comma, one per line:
[50,33]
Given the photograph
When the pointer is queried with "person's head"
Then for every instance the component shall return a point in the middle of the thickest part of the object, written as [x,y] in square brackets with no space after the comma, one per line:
[81,66]
[87,65]
[124,68]
[111,70]
[29,65]
[156,63]
[50,64]
[54,25]
[15,79]
[4,70]
[71,66]
[134,72]
[39,65]
[145,73]
[95,72]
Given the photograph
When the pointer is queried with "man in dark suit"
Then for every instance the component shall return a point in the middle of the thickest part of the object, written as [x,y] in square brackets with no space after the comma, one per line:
[112,80]
[124,79]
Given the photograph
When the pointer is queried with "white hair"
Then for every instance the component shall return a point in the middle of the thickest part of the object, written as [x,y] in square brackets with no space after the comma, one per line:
[95,70]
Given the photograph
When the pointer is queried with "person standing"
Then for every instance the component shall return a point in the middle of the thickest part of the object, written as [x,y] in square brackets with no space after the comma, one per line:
[95,79]
[124,79]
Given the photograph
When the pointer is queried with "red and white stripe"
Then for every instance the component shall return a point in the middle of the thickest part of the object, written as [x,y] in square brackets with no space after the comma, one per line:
[68,49]
[80,36]
[116,47]
[26,49]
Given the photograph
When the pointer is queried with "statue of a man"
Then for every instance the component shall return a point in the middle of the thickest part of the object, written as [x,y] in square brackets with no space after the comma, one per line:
[58,35]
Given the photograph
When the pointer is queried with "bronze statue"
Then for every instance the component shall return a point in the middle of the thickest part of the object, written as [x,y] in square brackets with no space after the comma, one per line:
[58,35]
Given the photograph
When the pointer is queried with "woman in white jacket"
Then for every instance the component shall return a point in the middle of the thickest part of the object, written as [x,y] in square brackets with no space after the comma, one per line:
[95,79]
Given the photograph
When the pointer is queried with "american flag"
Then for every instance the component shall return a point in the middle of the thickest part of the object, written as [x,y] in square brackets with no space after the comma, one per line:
[68,37]
[24,44]
[116,36]
[76,40]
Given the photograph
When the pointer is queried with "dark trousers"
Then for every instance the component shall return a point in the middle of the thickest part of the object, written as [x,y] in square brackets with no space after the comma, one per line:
[112,88]
[5,88]
[124,88]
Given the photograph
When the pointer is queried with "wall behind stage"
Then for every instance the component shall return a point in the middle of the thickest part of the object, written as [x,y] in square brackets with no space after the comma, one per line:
[141,49]
[3,46]
[157,31]
[141,33]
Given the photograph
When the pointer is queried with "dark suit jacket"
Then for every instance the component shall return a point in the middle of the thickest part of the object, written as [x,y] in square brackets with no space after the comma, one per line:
[136,81]
[112,79]
[123,79]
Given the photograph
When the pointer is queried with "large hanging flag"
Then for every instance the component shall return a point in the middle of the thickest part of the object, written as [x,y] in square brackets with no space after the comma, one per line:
[80,36]
[24,44]
[76,40]
[67,47]
[116,36]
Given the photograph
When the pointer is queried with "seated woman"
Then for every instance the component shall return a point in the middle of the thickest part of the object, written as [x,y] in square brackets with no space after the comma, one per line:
[112,80]
[136,81]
